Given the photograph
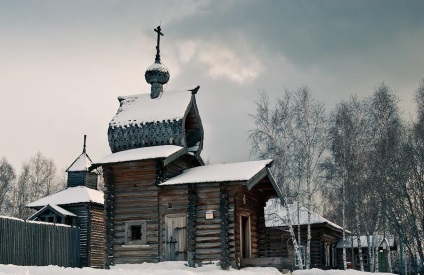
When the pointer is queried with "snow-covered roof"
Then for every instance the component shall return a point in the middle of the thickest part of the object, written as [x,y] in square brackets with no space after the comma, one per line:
[141,109]
[390,240]
[71,195]
[82,163]
[57,208]
[144,153]
[241,171]
[276,215]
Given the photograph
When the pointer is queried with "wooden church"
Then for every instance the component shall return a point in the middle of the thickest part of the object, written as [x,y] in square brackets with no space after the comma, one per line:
[80,204]
[162,203]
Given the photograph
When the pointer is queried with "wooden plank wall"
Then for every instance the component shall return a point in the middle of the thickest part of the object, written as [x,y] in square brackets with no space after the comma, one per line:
[135,197]
[83,219]
[82,178]
[35,243]
[97,244]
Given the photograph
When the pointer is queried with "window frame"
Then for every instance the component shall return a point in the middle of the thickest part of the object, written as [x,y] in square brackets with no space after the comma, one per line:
[129,229]
[364,259]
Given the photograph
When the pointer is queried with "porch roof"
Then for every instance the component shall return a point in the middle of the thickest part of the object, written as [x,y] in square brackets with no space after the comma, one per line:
[55,208]
[276,214]
[241,171]
[72,195]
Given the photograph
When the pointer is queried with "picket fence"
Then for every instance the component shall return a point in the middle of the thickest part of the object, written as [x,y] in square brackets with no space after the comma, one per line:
[38,244]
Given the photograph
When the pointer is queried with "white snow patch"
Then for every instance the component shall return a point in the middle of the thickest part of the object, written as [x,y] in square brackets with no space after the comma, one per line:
[71,195]
[144,153]
[164,268]
[274,206]
[241,171]
[82,163]
[141,109]
[316,271]
[27,221]
[158,67]
[11,218]
[49,223]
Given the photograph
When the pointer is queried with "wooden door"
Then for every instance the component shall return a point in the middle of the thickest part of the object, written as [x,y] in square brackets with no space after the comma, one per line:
[176,237]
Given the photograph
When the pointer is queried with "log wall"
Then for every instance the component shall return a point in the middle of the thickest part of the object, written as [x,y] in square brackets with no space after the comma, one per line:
[132,195]
[97,244]
[83,222]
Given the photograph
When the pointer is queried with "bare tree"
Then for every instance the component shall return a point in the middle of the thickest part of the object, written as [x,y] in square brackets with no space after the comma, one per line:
[310,136]
[293,133]
[7,176]
[38,178]
[405,197]
[21,194]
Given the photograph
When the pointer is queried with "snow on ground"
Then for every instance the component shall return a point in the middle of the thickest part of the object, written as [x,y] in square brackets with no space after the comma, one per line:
[164,268]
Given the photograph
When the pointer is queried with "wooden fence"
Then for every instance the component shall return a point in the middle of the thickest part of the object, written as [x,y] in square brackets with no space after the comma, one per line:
[35,243]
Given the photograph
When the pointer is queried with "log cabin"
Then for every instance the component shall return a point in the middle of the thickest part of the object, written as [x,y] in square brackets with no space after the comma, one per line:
[80,204]
[162,203]
[324,235]
[385,246]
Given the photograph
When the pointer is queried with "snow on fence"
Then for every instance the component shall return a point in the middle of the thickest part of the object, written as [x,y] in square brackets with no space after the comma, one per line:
[36,243]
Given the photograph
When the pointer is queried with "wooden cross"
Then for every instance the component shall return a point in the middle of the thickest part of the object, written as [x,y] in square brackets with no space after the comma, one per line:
[158,30]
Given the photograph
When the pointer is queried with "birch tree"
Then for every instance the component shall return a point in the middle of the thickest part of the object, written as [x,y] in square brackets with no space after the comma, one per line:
[293,133]
[349,141]
[387,135]
[406,193]
[310,142]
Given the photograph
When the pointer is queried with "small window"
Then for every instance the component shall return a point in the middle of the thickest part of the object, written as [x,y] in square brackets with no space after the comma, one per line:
[302,254]
[135,233]
[364,259]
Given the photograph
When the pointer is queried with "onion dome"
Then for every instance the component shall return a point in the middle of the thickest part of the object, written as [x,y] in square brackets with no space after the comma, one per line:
[157,74]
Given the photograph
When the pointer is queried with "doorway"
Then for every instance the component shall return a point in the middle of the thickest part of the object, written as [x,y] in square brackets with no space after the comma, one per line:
[245,241]
[176,237]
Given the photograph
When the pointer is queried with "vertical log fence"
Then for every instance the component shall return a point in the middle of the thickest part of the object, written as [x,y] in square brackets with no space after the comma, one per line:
[38,244]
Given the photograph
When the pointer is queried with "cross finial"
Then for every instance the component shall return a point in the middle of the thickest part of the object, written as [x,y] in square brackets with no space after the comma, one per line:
[158,30]
[85,139]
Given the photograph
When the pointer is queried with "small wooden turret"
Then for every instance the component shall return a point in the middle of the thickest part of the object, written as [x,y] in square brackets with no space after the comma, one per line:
[79,173]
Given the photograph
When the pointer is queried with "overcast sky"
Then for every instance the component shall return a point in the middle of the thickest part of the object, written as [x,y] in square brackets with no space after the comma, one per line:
[64,63]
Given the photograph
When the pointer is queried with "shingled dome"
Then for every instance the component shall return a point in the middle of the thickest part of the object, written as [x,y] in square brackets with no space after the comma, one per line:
[157,75]
[171,119]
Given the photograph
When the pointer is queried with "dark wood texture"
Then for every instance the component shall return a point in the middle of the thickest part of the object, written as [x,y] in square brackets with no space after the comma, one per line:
[33,243]
[279,243]
[97,243]
[132,195]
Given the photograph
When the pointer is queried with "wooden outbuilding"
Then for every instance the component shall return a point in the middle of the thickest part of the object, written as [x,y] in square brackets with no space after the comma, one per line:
[384,247]
[80,204]
[324,235]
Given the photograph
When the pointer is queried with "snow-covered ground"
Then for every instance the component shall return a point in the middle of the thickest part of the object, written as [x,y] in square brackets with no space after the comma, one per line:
[165,268]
